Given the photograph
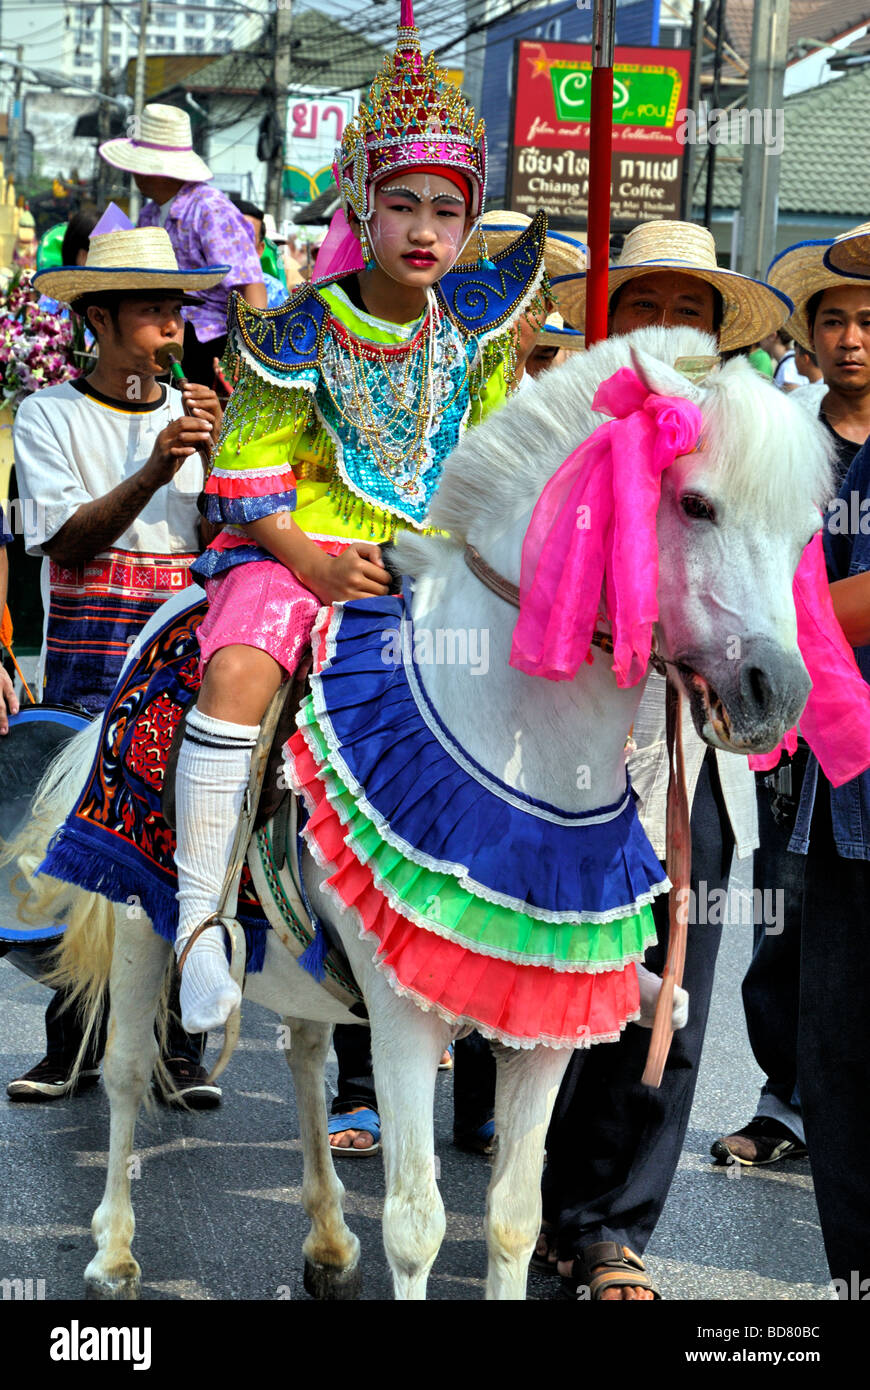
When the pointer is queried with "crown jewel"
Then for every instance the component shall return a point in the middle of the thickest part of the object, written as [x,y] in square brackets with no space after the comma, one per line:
[412,115]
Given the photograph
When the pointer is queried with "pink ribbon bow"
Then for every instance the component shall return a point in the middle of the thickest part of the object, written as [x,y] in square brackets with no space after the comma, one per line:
[595,524]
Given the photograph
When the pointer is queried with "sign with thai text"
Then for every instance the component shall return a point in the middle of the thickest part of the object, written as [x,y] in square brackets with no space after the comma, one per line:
[549,164]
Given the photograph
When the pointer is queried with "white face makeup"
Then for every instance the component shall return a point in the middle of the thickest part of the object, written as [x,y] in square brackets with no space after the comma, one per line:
[418,227]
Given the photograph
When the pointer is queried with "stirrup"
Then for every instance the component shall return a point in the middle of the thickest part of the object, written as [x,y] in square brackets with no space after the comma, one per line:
[232,1027]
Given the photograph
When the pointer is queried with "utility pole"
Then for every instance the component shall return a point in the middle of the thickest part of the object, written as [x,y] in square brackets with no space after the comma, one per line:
[279,84]
[15,120]
[139,98]
[104,119]
[760,190]
[717,77]
[689,155]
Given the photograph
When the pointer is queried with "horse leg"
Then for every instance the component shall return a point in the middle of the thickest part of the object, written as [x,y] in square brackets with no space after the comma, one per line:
[526,1087]
[407,1046]
[331,1250]
[138,970]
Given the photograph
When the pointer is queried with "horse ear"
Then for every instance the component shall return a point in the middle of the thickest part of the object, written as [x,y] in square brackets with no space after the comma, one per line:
[661,379]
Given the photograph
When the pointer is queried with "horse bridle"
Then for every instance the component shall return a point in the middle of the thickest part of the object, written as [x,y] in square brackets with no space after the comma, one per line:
[510,593]
[677,834]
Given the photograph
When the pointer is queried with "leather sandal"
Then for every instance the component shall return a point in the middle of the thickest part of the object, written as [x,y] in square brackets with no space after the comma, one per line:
[607,1265]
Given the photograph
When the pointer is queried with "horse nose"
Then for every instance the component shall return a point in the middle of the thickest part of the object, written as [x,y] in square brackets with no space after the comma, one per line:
[755,688]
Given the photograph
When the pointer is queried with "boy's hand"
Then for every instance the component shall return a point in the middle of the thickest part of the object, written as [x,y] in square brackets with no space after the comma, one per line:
[8,701]
[173,445]
[200,402]
[355,573]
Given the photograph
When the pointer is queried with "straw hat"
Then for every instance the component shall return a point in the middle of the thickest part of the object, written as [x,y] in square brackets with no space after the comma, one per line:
[163,147]
[850,253]
[555,334]
[752,309]
[563,254]
[139,259]
[800,272]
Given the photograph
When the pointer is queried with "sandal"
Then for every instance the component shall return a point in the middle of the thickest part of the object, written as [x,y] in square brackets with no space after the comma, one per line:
[364,1119]
[548,1262]
[446,1063]
[477,1141]
[615,1267]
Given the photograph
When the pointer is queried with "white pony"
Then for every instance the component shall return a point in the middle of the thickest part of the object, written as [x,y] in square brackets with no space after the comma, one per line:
[732,523]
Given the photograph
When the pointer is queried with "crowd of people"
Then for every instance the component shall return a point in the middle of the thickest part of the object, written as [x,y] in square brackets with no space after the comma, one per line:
[287,496]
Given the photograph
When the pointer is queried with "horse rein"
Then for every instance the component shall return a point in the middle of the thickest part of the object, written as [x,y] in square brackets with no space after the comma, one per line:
[504,589]
[678,831]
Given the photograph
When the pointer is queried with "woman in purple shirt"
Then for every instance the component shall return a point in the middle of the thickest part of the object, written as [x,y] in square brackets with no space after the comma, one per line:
[203,225]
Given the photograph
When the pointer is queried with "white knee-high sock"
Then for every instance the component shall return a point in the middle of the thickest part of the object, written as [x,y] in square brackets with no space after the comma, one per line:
[213,769]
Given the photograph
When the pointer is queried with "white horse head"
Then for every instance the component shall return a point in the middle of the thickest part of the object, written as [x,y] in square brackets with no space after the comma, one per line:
[733,521]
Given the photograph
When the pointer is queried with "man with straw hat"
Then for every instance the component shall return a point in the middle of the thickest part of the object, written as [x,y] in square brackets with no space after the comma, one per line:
[110,467]
[614,1146]
[203,226]
[564,257]
[830,843]
[831,318]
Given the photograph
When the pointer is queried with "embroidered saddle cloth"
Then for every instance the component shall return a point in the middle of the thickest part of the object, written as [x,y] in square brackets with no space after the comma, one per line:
[479,901]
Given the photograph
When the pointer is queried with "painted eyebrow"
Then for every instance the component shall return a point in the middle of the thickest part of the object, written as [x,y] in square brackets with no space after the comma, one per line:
[409,192]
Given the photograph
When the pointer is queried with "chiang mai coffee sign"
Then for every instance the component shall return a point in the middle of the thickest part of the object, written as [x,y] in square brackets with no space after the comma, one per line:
[549,162]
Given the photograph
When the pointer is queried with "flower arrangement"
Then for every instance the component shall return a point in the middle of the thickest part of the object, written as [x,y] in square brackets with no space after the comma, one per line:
[38,347]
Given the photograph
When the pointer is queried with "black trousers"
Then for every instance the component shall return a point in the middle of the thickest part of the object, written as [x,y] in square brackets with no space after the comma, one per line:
[771,987]
[614,1144]
[199,357]
[833,1039]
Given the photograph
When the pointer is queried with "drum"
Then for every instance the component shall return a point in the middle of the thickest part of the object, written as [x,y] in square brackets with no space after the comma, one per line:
[35,736]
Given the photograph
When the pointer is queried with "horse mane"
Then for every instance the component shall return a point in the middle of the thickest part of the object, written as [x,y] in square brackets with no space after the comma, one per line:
[772,456]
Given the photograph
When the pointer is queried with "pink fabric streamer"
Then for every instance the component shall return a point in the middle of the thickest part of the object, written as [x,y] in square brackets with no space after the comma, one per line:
[836,720]
[595,524]
[339,252]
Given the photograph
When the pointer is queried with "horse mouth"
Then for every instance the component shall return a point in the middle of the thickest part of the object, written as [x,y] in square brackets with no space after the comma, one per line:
[708,707]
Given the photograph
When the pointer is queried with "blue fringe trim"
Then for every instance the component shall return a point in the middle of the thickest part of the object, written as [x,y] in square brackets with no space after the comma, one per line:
[313,958]
[235,511]
[73,858]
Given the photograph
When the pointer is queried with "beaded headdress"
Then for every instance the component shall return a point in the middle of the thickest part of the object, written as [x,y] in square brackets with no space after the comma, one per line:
[412,115]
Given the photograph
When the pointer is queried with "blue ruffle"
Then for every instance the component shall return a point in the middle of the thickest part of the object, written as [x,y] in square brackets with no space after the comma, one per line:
[212,562]
[235,511]
[430,799]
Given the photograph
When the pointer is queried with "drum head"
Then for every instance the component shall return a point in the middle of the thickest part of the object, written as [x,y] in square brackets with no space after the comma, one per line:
[35,737]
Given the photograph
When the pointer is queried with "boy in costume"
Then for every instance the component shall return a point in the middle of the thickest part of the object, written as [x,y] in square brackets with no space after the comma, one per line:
[349,399]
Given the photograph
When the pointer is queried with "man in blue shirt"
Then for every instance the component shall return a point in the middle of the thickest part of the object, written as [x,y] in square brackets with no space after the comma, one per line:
[833,832]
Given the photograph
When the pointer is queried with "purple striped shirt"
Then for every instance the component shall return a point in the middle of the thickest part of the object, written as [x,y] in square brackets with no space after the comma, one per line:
[205,228]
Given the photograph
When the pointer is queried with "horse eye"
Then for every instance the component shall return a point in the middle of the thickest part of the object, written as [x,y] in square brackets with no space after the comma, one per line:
[698,508]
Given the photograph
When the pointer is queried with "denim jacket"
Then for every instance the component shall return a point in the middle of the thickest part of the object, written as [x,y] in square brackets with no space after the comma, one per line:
[847,551]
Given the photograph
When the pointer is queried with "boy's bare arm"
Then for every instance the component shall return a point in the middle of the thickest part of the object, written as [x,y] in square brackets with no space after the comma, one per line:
[851,600]
[96,525]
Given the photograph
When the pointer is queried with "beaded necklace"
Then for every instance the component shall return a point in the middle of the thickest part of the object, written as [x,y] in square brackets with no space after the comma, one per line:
[392,398]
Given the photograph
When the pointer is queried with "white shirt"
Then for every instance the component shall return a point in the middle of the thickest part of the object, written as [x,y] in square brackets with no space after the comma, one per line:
[71,448]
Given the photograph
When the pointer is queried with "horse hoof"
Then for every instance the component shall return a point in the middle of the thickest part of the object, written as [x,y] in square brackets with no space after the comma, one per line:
[113,1290]
[328,1282]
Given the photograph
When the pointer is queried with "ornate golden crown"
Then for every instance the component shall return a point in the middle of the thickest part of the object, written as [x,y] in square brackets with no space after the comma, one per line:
[412,115]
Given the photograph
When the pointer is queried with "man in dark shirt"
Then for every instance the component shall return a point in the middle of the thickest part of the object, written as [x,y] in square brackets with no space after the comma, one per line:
[832,319]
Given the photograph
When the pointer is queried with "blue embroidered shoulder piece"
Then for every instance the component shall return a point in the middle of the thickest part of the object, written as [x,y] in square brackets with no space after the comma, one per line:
[284,340]
[482,301]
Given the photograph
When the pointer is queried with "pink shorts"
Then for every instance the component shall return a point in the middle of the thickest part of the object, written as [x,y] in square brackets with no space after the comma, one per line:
[259,604]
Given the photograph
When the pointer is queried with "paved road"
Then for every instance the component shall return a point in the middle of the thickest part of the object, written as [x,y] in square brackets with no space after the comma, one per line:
[218,1202]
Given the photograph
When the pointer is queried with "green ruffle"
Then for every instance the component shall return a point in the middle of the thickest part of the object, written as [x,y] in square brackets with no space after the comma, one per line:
[437,901]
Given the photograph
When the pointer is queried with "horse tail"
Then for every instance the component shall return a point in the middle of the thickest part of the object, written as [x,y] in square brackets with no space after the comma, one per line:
[82,962]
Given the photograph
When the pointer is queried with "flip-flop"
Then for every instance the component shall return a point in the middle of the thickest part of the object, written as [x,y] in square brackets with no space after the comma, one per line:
[446,1063]
[542,1263]
[366,1120]
[477,1141]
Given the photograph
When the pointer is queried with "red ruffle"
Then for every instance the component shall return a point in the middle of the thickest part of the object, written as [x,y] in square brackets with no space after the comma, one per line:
[521,1005]
[251,484]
